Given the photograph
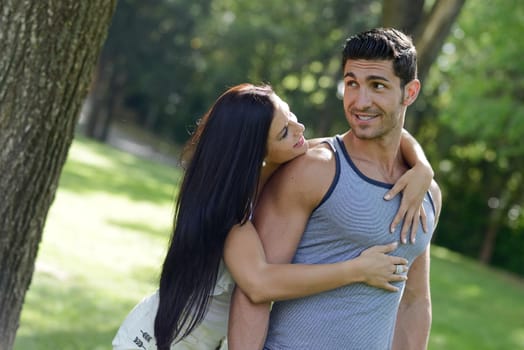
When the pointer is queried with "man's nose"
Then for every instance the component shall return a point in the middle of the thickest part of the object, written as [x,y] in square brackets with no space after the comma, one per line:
[362,99]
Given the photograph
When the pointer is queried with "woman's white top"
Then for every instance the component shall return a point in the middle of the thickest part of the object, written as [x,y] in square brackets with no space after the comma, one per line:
[137,330]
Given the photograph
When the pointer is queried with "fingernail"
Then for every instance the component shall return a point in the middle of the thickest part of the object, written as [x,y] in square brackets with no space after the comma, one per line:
[403,240]
[387,197]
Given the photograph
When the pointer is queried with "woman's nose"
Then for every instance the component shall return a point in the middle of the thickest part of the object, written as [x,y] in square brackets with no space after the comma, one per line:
[299,128]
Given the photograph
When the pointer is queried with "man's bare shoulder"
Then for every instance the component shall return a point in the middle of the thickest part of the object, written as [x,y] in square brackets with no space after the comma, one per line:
[316,141]
[309,163]
[308,176]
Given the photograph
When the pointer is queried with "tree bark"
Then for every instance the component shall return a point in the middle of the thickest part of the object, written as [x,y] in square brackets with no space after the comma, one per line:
[403,15]
[49,50]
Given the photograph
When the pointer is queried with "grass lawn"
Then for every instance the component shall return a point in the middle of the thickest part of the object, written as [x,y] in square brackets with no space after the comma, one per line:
[106,235]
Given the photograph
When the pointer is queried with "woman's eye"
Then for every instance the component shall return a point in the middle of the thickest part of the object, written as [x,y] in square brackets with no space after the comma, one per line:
[284,134]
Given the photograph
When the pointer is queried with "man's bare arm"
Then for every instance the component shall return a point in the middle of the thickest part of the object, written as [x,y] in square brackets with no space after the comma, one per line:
[414,314]
[413,184]
[280,219]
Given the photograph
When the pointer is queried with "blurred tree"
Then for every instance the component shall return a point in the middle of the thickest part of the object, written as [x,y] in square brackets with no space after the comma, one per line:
[295,46]
[479,88]
[167,60]
[147,65]
[49,49]
[429,23]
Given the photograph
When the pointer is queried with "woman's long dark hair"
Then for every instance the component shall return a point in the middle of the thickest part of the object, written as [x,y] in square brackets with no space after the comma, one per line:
[217,192]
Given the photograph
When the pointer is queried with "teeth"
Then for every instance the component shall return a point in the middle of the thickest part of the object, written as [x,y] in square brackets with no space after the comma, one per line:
[364,118]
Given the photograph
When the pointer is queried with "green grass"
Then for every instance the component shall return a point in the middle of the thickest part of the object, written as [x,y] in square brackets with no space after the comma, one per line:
[106,235]
[474,307]
[102,247]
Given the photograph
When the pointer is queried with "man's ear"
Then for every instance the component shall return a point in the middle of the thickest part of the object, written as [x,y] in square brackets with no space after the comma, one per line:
[411,91]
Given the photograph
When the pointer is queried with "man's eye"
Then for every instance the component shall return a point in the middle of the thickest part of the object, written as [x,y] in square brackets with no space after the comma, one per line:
[379,86]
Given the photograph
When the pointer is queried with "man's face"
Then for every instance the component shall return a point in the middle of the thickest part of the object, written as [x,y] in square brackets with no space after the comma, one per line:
[374,102]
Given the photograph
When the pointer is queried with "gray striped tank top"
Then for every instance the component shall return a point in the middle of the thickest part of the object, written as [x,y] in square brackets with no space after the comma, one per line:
[352,217]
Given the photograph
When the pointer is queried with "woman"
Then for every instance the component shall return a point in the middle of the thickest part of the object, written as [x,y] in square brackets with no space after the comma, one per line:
[246,135]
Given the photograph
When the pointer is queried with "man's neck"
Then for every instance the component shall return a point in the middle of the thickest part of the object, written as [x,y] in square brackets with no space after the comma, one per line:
[378,158]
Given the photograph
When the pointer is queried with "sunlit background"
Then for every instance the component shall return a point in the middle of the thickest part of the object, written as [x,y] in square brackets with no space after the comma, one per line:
[165,62]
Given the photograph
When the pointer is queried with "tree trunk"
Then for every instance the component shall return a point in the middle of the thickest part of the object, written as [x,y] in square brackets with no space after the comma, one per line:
[49,50]
[490,237]
[403,15]
[433,31]
[104,99]
[428,29]
[96,100]
[497,216]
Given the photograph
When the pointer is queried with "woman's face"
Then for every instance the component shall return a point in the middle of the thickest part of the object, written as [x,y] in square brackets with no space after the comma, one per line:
[285,140]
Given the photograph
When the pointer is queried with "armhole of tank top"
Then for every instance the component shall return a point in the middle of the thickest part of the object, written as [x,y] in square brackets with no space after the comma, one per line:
[430,196]
[330,142]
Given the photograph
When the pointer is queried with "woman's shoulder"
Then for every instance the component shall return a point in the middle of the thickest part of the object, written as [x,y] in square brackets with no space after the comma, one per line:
[137,330]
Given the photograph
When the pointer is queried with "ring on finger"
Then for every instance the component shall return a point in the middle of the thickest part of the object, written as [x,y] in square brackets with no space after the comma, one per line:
[399,269]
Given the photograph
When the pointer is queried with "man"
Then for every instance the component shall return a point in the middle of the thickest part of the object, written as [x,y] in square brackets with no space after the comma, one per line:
[328,206]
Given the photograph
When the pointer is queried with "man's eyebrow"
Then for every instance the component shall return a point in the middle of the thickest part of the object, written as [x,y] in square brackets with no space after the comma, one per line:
[376,77]
[368,78]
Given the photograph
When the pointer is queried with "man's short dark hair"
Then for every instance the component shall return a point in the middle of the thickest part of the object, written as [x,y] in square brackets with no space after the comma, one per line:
[384,44]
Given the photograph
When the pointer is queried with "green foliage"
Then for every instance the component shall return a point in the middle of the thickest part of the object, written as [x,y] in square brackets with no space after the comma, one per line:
[153,50]
[105,239]
[175,57]
[478,90]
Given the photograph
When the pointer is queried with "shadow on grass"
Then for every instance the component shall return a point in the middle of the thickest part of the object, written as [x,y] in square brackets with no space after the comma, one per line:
[120,173]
